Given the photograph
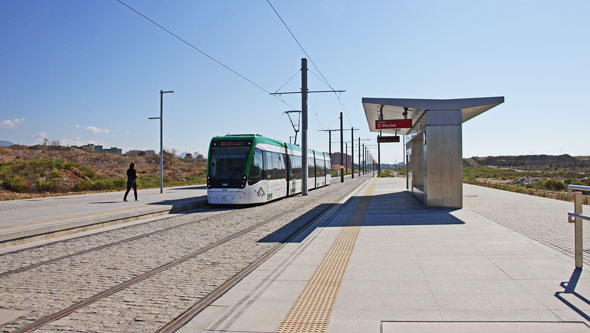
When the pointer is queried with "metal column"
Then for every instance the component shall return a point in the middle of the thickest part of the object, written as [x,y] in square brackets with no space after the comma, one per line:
[304,131]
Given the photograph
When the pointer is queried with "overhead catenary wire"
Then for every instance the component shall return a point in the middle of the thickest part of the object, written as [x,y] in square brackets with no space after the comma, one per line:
[202,52]
[322,78]
[298,43]
[338,98]
[289,80]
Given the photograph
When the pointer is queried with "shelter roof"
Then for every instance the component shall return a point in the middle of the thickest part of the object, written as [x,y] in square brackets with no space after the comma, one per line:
[394,108]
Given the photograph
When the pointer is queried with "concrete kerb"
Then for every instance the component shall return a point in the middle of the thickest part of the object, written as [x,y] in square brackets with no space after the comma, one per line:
[52,230]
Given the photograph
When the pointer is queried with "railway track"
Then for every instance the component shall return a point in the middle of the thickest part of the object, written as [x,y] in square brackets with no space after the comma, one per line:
[196,307]
[97,248]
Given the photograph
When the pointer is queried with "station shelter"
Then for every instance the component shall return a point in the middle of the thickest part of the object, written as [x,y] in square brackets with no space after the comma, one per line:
[432,131]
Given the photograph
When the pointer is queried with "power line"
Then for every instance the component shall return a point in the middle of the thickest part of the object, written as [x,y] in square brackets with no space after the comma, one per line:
[201,51]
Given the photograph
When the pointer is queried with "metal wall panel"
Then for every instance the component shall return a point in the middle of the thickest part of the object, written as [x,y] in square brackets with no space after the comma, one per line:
[418,166]
[443,167]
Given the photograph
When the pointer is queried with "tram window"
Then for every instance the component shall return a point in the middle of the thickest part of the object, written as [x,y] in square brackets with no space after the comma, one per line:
[279,169]
[321,171]
[268,164]
[310,167]
[295,167]
[257,169]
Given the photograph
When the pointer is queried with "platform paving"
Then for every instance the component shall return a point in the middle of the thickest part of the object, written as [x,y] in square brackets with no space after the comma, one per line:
[39,216]
[421,270]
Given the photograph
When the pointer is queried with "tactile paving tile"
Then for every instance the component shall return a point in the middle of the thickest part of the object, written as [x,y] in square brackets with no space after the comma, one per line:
[311,312]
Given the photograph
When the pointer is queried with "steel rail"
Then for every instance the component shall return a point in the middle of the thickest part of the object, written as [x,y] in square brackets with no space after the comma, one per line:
[101,247]
[194,310]
[62,313]
[164,218]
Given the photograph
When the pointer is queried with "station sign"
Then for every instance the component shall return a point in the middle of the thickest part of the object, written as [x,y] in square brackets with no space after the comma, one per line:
[389,124]
[388,138]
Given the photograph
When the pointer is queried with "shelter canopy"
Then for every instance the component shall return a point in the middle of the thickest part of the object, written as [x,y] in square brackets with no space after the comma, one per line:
[394,108]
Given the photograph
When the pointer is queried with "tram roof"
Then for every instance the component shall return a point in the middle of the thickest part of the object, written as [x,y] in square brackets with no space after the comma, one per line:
[393,109]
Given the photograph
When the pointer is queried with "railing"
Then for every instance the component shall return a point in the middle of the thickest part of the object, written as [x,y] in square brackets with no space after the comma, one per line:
[577,218]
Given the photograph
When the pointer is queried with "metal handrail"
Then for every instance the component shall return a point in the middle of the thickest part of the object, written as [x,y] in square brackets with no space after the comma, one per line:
[578,188]
[577,218]
[572,217]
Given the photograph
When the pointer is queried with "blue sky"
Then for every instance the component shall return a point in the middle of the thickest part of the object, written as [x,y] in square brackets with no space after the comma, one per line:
[91,71]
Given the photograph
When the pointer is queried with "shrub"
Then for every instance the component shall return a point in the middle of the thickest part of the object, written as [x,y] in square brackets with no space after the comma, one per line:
[46,185]
[15,183]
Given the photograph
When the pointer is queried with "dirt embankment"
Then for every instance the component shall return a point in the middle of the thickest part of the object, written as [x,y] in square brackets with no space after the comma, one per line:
[28,171]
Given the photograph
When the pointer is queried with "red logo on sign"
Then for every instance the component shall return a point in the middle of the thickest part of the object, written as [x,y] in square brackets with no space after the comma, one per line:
[389,124]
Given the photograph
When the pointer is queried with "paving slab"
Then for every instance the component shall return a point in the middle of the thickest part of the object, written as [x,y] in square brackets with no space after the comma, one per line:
[421,270]
[40,216]
[482,327]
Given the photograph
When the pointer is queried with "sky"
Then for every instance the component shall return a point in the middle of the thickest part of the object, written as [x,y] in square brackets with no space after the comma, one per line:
[83,72]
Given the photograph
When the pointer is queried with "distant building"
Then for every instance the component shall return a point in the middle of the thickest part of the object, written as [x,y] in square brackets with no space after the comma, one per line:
[136,152]
[99,149]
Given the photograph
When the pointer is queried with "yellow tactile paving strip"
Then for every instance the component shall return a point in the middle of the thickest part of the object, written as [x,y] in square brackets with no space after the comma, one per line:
[313,308]
[59,219]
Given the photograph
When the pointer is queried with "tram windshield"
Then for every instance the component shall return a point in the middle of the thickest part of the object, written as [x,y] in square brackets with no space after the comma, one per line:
[228,161]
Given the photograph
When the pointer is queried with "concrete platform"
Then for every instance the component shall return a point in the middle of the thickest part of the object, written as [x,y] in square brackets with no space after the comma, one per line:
[40,217]
[407,269]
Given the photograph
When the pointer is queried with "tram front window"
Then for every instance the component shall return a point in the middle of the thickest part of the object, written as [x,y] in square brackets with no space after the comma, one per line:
[228,163]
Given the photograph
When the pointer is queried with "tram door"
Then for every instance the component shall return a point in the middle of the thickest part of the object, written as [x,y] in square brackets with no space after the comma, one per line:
[276,175]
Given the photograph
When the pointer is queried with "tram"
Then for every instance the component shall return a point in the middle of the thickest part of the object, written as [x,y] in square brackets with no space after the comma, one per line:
[251,168]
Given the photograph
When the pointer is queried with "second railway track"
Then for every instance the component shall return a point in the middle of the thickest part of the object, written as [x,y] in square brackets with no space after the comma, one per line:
[218,258]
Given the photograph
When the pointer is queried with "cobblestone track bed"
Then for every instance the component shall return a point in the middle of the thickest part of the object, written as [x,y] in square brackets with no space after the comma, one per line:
[50,288]
[26,258]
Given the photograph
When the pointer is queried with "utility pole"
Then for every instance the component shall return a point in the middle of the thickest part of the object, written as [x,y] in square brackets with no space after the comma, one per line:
[161,118]
[304,132]
[341,148]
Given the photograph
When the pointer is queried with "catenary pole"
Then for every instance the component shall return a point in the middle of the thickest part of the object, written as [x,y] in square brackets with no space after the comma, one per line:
[304,131]
[341,151]
[352,152]
[360,156]
[345,157]
[378,156]
[161,141]
[330,144]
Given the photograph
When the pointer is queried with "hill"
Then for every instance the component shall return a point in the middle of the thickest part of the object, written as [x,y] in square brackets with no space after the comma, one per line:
[5,143]
[27,171]
[530,162]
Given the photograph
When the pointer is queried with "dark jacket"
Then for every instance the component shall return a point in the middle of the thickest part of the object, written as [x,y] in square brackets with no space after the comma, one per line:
[131,175]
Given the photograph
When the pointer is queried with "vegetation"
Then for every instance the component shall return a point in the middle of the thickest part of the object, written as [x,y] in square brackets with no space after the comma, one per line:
[386,173]
[551,183]
[51,170]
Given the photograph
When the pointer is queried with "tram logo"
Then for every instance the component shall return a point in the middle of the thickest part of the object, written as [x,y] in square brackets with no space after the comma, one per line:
[260,192]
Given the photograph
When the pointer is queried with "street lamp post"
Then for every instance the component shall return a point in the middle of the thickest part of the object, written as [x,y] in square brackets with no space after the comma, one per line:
[161,117]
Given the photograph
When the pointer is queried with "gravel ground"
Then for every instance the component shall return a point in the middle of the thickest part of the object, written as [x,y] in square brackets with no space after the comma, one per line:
[150,304]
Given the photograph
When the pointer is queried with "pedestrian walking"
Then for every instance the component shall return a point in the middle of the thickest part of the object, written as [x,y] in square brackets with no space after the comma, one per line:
[131,181]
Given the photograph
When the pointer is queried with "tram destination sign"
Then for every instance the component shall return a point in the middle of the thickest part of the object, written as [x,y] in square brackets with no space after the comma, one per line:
[388,138]
[231,143]
[389,124]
